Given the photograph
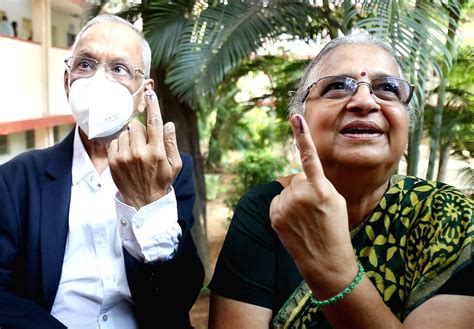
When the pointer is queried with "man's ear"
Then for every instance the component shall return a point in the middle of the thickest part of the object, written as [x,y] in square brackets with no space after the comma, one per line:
[66,83]
[149,85]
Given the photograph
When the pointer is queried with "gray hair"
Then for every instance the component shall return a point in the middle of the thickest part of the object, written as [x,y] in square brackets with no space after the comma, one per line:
[296,105]
[146,51]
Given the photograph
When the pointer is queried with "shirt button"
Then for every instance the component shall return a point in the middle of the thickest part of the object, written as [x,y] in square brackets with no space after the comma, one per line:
[105,317]
[138,225]
[123,222]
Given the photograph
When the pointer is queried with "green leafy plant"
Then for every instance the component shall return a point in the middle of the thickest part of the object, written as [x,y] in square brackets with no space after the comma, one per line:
[213,186]
[257,167]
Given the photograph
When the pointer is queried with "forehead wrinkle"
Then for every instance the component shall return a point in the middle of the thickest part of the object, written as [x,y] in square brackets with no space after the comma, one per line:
[99,39]
[370,76]
[329,66]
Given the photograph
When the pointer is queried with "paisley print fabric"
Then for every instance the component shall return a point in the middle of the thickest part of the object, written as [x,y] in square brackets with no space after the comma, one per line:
[417,237]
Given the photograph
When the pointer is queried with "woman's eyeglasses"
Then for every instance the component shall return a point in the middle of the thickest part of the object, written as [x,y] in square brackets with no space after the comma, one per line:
[389,89]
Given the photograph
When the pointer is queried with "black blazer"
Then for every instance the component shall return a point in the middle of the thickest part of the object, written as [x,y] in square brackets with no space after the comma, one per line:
[35,192]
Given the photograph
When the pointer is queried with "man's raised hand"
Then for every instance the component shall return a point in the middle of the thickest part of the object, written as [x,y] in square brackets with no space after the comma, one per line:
[145,161]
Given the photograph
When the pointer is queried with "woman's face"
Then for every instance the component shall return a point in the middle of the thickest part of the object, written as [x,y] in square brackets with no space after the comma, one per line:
[359,131]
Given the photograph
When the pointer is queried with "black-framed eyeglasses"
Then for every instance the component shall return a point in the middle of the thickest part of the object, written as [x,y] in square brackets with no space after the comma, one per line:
[85,67]
[389,89]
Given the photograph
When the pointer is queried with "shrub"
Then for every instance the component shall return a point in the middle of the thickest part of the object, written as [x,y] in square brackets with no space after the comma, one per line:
[256,168]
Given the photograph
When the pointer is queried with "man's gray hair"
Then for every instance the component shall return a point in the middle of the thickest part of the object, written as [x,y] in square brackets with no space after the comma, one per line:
[146,51]
[297,106]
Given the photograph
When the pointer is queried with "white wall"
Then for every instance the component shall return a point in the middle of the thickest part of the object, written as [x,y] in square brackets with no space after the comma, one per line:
[20,81]
[58,104]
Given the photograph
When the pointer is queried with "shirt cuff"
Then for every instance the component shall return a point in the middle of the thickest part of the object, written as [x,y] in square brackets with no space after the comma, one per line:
[152,233]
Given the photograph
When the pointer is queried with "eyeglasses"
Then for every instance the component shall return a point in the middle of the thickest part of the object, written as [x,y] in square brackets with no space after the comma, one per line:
[85,67]
[388,89]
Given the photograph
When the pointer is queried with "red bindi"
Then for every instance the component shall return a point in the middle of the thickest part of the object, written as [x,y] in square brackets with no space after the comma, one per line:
[363,73]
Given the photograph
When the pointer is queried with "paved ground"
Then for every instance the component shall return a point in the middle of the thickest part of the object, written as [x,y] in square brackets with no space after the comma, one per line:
[217,222]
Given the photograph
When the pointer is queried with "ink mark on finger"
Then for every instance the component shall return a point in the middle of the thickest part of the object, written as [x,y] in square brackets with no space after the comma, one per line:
[149,94]
[300,122]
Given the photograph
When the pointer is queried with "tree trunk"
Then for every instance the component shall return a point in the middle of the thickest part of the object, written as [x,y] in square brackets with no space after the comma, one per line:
[443,161]
[413,158]
[438,114]
[187,133]
[214,156]
[416,130]
[222,133]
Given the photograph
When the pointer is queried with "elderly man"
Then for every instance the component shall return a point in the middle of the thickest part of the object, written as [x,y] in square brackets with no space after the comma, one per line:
[95,231]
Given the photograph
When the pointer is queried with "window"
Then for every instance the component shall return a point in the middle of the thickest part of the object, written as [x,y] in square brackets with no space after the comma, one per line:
[56,134]
[3,144]
[30,139]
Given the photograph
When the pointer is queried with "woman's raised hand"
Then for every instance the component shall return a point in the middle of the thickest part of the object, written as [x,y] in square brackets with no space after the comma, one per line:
[310,218]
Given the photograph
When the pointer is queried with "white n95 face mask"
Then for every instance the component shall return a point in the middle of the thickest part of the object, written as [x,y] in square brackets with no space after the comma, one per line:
[100,107]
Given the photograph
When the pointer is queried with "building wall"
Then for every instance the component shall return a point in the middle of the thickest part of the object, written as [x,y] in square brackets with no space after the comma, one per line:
[16,145]
[64,25]
[58,104]
[16,10]
[27,97]
[17,142]
[22,92]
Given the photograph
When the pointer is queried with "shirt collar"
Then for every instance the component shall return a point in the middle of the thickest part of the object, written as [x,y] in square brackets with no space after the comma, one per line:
[81,163]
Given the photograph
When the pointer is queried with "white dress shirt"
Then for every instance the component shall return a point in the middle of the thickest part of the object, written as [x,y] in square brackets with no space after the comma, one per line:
[93,291]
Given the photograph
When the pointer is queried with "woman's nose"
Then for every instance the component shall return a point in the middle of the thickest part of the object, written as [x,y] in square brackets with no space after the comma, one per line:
[363,99]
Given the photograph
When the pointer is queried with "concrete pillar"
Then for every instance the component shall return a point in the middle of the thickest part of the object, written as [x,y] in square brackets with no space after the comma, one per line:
[44,138]
[41,21]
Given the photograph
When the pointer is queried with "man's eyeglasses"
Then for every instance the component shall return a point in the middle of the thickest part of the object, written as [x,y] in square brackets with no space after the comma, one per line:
[85,67]
[388,89]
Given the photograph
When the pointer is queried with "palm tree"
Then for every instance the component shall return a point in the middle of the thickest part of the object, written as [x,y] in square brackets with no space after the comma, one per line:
[421,32]
[196,44]
[283,73]
[454,16]
[455,135]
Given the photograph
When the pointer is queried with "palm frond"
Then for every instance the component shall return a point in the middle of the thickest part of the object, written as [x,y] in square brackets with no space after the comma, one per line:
[163,24]
[223,36]
[417,31]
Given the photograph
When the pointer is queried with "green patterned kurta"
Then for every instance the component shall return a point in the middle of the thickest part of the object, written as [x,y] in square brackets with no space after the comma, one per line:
[410,245]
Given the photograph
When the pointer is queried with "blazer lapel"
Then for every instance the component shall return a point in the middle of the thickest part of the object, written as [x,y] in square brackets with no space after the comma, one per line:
[55,200]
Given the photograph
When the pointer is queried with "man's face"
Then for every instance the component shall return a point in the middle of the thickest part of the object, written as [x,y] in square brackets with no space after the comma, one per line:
[111,42]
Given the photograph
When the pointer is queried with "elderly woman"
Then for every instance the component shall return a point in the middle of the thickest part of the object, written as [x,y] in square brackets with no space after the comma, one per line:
[346,243]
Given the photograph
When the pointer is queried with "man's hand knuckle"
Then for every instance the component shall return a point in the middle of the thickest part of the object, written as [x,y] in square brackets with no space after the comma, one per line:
[179,165]
[153,120]
[137,153]
[157,156]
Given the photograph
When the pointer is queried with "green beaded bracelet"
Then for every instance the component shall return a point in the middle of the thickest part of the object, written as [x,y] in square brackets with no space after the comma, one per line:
[342,294]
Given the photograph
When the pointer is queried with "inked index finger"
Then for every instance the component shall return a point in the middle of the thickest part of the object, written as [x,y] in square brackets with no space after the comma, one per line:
[312,166]
[154,122]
